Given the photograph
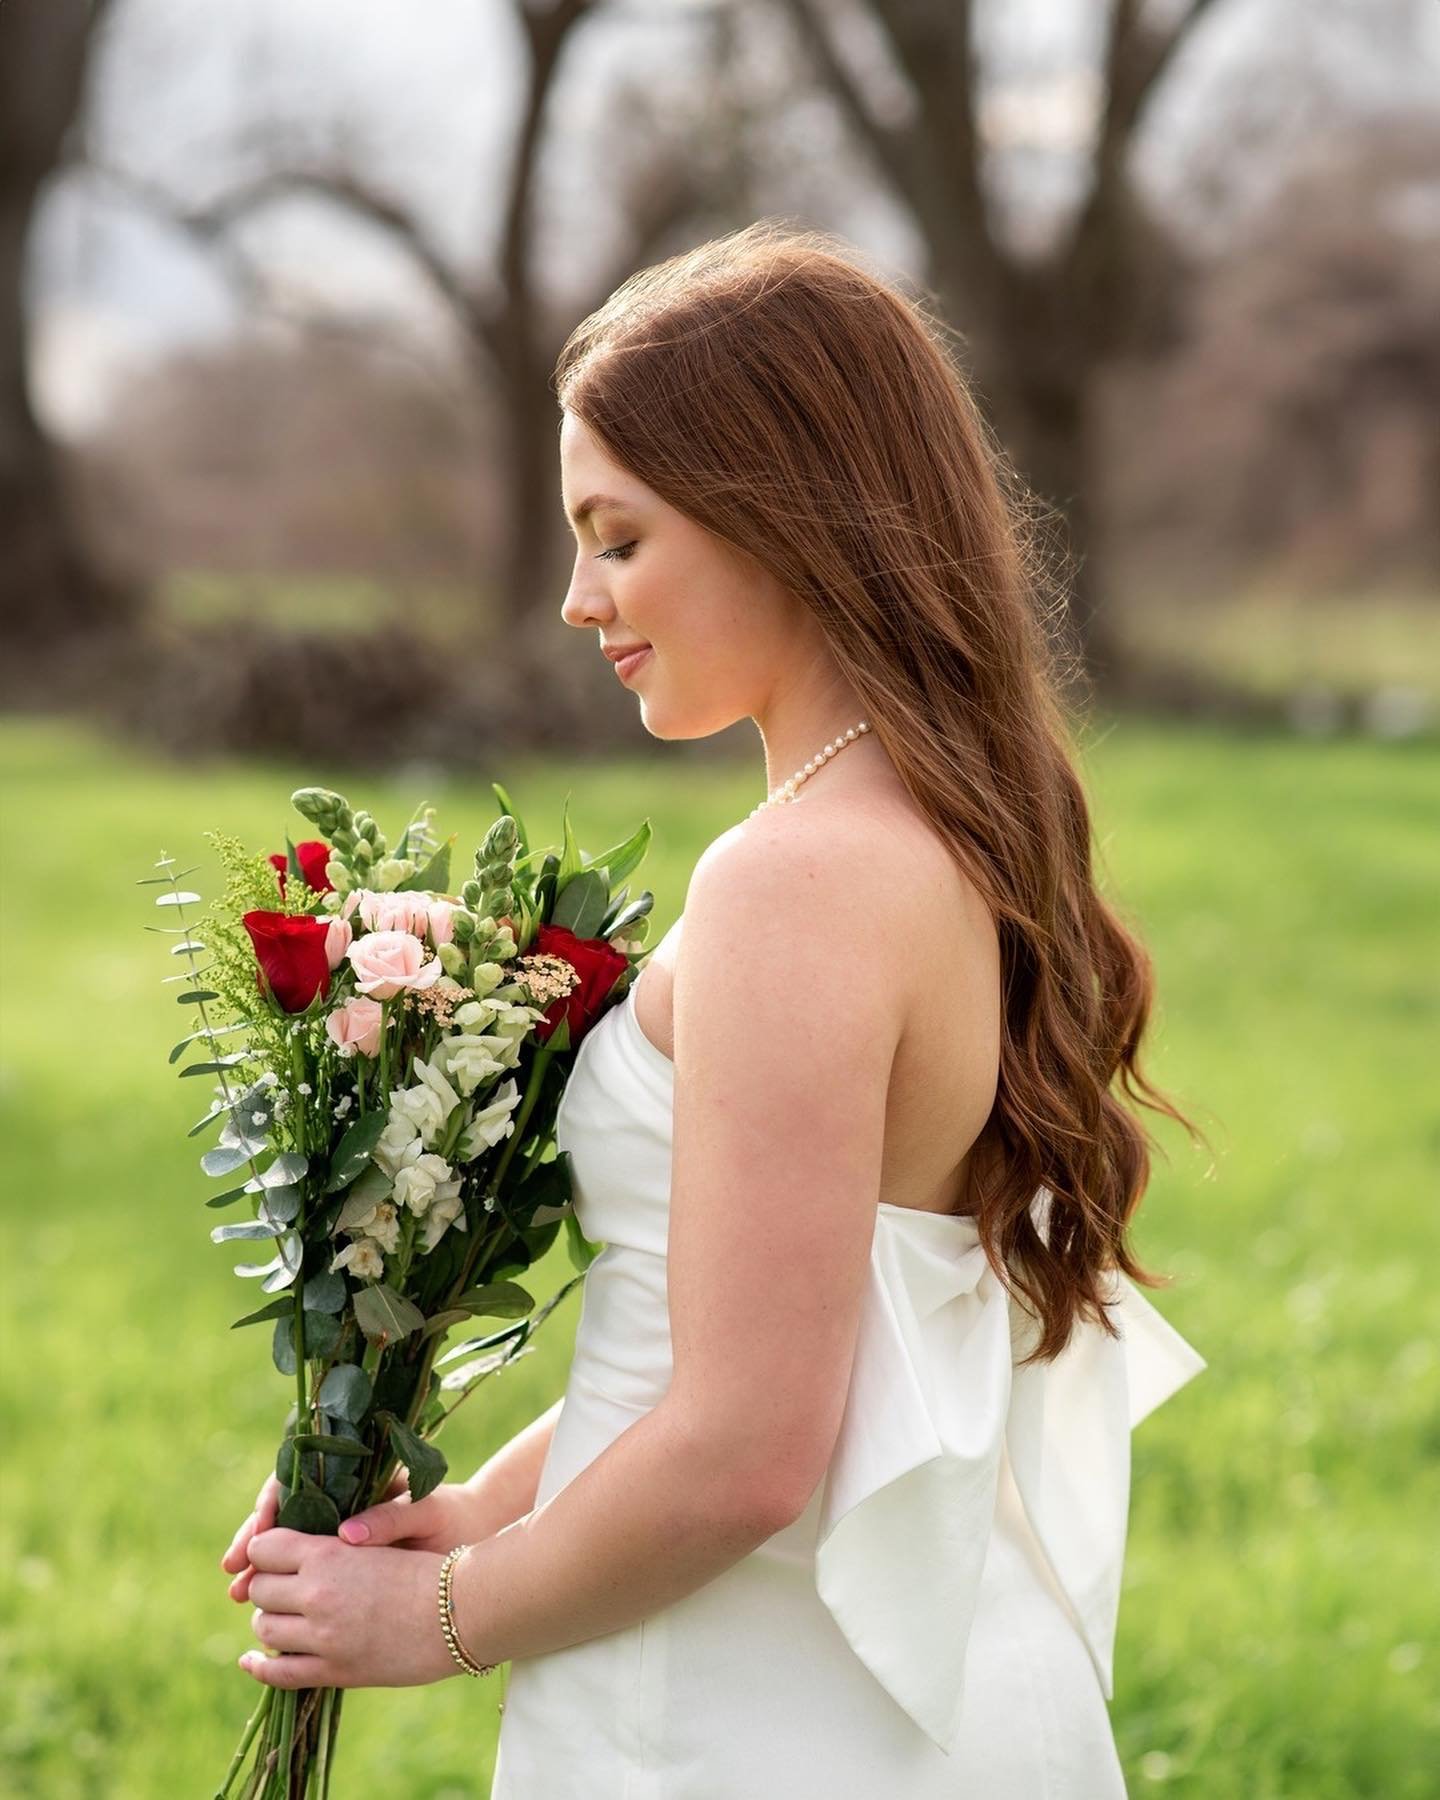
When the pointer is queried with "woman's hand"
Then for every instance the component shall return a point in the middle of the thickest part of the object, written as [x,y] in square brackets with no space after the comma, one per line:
[344,1617]
[236,1560]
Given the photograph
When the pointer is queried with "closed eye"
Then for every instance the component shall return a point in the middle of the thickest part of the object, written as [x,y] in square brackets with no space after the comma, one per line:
[620,552]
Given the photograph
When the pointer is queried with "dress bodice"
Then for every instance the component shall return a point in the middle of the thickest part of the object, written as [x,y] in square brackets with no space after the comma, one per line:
[936,1414]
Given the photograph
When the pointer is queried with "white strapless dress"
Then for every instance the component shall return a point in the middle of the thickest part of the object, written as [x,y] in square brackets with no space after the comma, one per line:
[940,1621]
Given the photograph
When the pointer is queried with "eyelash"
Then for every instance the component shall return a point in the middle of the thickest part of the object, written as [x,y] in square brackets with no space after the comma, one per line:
[620,552]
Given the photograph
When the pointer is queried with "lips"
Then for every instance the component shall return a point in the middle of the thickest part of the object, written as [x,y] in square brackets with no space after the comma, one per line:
[617,651]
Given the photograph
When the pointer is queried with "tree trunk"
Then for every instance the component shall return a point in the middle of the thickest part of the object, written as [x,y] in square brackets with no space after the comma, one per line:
[50,588]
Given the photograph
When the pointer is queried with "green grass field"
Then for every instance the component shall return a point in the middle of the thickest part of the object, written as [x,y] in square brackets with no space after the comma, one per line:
[1277,1636]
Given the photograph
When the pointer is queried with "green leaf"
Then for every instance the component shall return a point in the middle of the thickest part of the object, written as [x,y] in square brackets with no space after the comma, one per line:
[218,1067]
[245,1228]
[225,1159]
[190,944]
[622,858]
[275,1308]
[426,1464]
[322,1333]
[193,996]
[442,1321]
[345,1393]
[497,1300]
[288,1166]
[434,877]
[282,1345]
[228,1196]
[582,1251]
[325,1293]
[581,903]
[385,1316]
[209,1119]
[281,1202]
[310,1509]
[328,1445]
[571,861]
[182,898]
[637,909]
[352,1153]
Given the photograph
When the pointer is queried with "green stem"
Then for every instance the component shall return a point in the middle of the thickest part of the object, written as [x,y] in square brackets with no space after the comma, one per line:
[256,1718]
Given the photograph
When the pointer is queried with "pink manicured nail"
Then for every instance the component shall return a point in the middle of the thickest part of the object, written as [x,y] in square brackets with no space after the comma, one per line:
[354,1532]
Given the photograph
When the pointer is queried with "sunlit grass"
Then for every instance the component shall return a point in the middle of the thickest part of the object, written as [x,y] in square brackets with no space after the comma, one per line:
[1276,1637]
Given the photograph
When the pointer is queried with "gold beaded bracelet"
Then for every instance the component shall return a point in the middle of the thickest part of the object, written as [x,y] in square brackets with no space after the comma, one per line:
[447,1617]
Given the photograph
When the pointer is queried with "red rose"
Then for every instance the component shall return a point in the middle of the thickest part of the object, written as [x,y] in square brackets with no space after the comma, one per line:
[290,950]
[312,856]
[598,964]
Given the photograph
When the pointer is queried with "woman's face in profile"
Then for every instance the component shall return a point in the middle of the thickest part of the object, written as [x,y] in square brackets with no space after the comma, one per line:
[721,633]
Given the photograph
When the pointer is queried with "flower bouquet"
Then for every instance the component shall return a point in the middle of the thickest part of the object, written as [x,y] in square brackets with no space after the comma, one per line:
[387,1120]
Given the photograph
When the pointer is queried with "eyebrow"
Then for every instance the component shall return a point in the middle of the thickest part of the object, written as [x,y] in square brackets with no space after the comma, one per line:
[593,504]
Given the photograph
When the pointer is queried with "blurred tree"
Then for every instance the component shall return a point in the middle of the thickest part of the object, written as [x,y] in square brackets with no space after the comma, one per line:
[51,583]
[1038,327]
[507,321]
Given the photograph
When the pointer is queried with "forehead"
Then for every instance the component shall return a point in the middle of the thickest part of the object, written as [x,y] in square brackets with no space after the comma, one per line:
[590,481]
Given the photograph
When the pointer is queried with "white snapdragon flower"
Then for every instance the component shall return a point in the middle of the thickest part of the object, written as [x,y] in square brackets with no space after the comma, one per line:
[469,1059]
[395,1143]
[427,1105]
[422,1182]
[445,1210]
[491,1123]
[362,1258]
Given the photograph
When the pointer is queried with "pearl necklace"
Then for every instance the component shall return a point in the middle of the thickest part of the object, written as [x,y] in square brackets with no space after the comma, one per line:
[787,789]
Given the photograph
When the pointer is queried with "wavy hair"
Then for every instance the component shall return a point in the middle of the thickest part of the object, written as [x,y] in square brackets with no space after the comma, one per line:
[810,414]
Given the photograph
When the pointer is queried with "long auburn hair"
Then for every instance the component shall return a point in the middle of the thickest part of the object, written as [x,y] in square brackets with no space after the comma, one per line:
[809,414]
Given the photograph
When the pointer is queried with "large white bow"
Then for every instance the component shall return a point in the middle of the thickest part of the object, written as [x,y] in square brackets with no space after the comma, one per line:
[909,1495]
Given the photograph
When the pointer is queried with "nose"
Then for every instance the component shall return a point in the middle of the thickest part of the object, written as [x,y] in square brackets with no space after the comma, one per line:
[585,603]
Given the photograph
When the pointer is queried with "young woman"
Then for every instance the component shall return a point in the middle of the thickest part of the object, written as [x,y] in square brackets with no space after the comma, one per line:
[835,1501]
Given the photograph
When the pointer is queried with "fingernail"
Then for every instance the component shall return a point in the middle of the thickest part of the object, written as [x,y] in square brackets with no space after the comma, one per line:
[354,1531]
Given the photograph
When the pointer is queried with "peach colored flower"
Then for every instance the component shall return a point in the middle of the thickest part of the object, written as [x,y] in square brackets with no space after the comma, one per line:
[354,1028]
[387,961]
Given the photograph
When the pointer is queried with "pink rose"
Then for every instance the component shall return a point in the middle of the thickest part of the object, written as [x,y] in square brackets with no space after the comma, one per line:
[338,936]
[388,960]
[442,922]
[355,1027]
[386,912]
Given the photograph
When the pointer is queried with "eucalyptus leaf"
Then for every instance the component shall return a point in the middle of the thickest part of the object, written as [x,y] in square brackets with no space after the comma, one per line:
[310,1509]
[246,1229]
[179,899]
[188,947]
[282,1203]
[427,1465]
[282,1345]
[345,1393]
[209,1119]
[292,1254]
[194,996]
[325,1292]
[287,1167]
[322,1333]
[225,1159]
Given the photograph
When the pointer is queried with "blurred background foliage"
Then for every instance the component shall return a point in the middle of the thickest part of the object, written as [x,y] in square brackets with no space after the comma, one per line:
[281,286]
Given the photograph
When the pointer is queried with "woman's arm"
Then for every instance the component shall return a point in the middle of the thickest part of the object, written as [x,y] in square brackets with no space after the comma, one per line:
[779,1127]
[504,1486]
